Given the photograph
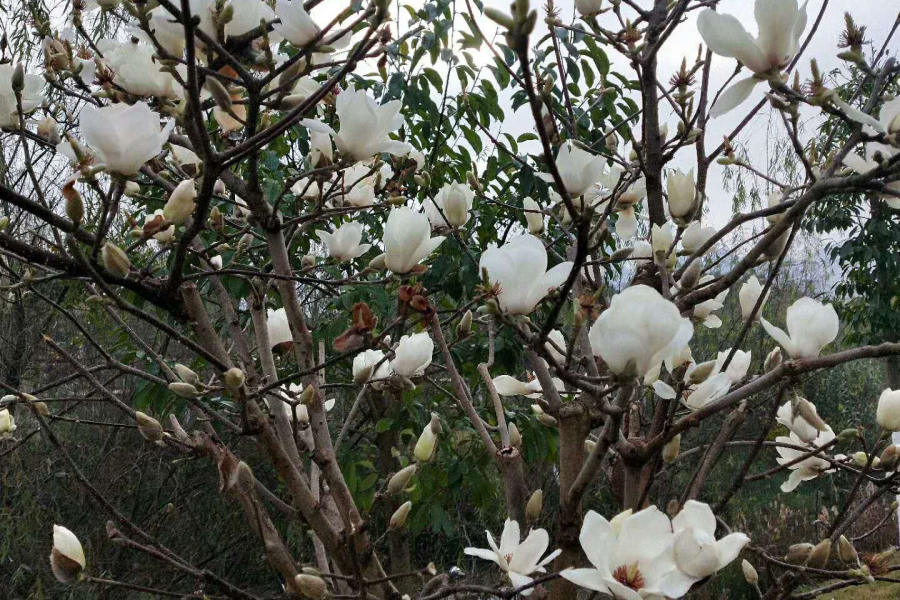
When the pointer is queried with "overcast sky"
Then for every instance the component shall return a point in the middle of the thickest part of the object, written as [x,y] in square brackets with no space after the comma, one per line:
[684,43]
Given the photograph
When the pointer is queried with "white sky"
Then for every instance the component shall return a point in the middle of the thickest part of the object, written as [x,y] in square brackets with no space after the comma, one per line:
[684,42]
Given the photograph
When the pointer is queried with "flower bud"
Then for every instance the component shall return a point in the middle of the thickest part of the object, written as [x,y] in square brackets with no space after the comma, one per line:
[750,573]
[219,188]
[808,411]
[798,554]
[306,397]
[398,519]
[132,189]
[17,82]
[187,375]
[534,506]
[148,427]
[74,204]
[67,556]
[426,446]
[773,360]
[377,263]
[115,260]
[216,220]
[888,412]
[820,554]
[219,93]
[691,275]
[589,446]
[515,438]
[185,390]
[48,130]
[860,459]
[245,479]
[399,481]
[673,508]
[846,551]
[181,203]
[310,585]
[308,261]
[672,449]
[464,328]
[42,409]
[234,378]
[546,420]
[702,372]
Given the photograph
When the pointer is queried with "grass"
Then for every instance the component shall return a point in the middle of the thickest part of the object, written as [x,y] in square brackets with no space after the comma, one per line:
[876,591]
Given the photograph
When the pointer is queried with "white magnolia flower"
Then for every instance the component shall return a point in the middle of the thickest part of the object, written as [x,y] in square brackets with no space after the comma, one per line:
[632,557]
[737,368]
[136,72]
[681,189]
[359,186]
[749,296]
[343,244]
[364,363]
[124,137]
[279,328]
[888,414]
[626,224]
[695,235]
[67,556]
[796,423]
[807,469]
[507,385]
[31,96]
[697,552]
[320,151]
[780,23]
[168,32]
[296,25]
[185,157]
[365,125]
[247,16]
[216,262]
[181,202]
[703,311]
[454,200]
[520,267]
[638,330]
[7,422]
[578,169]
[713,388]
[811,326]
[407,240]
[413,354]
[534,217]
[518,559]
[875,153]
[661,238]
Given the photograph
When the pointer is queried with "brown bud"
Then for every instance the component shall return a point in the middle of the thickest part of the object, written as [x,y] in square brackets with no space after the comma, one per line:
[798,554]
[819,555]
[846,551]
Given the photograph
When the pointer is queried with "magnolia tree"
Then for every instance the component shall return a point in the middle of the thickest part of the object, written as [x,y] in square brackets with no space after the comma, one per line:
[330,239]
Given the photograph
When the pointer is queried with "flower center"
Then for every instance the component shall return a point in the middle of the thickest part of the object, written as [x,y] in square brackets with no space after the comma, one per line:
[508,558]
[630,576]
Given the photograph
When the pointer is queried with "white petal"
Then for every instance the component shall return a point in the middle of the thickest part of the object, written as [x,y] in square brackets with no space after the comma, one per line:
[733,97]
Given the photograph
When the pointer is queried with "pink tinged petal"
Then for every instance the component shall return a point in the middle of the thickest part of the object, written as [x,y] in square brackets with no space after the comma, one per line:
[591,579]
[776,19]
[730,546]
[778,335]
[725,36]
[525,558]
[733,97]
[695,515]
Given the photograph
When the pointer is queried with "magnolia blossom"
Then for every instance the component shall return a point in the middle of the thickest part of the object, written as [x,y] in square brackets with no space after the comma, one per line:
[136,72]
[518,559]
[797,423]
[365,125]
[181,202]
[681,189]
[413,354]
[520,267]
[364,367]
[811,326]
[359,185]
[31,96]
[695,235]
[279,328]
[632,557]
[587,8]
[296,25]
[638,330]
[807,469]
[534,217]
[578,169]
[749,295]
[343,244]
[697,552]
[875,152]
[661,239]
[888,414]
[507,385]
[780,23]
[7,423]
[626,224]
[320,152]
[124,137]
[407,240]
[451,206]
[559,341]
[703,311]
[67,556]
[713,388]
[185,158]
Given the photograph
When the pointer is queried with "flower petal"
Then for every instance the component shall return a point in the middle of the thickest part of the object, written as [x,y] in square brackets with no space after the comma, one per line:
[733,97]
